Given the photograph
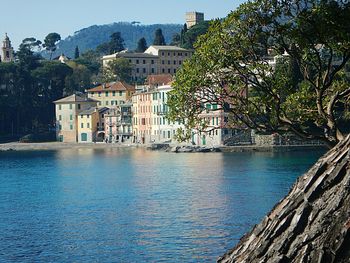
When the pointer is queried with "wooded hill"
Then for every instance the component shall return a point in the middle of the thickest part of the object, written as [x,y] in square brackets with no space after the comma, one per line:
[91,37]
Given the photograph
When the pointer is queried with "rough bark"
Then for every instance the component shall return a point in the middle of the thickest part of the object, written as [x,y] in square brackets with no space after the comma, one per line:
[311,224]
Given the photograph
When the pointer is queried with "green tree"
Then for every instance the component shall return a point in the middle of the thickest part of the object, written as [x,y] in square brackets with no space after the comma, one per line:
[116,43]
[159,38]
[119,69]
[189,36]
[176,40]
[76,52]
[50,42]
[141,45]
[79,80]
[230,67]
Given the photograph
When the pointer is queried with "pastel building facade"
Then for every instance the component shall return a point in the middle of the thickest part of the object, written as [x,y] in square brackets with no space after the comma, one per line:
[67,111]
[89,123]
[118,124]
[111,94]
[155,60]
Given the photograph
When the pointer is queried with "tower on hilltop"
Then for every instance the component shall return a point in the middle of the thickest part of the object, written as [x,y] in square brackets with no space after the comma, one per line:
[193,18]
[7,50]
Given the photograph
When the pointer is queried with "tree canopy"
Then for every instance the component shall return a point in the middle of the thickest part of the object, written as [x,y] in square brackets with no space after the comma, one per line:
[141,45]
[50,42]
[159,38]
[275,66]
[118,69]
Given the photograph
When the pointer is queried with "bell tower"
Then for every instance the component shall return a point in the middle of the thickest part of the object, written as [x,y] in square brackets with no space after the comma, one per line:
[7,50]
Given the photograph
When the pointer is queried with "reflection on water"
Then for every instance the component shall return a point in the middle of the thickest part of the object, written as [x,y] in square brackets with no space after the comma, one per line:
[113,204]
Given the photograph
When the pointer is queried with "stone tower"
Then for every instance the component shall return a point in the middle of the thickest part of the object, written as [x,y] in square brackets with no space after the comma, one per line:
[193,18]
[7,50]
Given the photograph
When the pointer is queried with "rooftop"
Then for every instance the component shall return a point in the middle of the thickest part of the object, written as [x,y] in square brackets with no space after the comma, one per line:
[113,86]
[161,79]
[75,98]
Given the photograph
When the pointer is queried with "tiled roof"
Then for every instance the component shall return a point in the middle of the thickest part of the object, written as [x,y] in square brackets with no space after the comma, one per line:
[113,86]
[170,48]
[161,79]
[74,98]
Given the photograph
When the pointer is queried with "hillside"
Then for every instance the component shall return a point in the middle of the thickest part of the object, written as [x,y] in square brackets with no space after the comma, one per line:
[89,38]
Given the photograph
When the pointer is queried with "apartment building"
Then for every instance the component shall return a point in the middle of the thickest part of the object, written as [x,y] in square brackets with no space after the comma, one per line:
[67,111]
[111,94]
[155,60]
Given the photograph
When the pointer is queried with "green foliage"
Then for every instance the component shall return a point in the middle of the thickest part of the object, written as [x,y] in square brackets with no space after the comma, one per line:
[305,90]
[189,37]
[50,42]
[159,38]
[141,45]
[28,88]
[79,80]
[118,69]
[89,38]
[115,44]
[76,52]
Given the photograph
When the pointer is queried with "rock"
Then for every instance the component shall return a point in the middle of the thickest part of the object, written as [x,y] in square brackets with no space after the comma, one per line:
[311,224]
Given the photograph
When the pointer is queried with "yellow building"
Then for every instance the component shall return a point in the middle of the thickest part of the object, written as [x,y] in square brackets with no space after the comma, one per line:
[111,94]
[90,123]
[67,110]
[155,60]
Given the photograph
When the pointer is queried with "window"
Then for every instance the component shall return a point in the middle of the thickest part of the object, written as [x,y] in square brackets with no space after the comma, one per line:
[88,125]
[163,62]
[82,125]
[174,62]
[59,117]
[169,62]
[60,107]
[180,62]
[168,134]
[152,61]
[71,117]
[144,70]
[185,54]
[217,120]
[99,93]
[78,106]
[163,70]
[88,116]
[168,53]
[162,53]
[70,106]
[144,61]
[60,127]
[71,126]
[152,70]
[168,70]
[107,103]
[174,70]
[137,70]
[100,103]
[112,102]
[120,93]
[106,93]
[113,93]
[215,107]
[137,61]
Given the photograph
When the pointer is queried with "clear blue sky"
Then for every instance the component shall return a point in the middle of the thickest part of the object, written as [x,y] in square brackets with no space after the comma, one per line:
[37,18]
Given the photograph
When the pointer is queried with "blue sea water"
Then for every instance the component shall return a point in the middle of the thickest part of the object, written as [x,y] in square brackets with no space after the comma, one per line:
[133,205]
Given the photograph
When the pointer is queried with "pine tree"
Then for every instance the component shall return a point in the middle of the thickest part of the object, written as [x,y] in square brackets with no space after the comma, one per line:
[76,52]
[159,38]
[141,45]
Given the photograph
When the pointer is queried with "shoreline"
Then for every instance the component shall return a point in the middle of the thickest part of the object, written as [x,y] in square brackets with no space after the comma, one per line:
[16,146]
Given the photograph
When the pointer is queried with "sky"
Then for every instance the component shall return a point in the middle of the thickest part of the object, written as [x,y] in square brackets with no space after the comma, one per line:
[36,18]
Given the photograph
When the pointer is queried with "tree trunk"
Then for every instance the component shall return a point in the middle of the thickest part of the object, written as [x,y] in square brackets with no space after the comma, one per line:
[311,224]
